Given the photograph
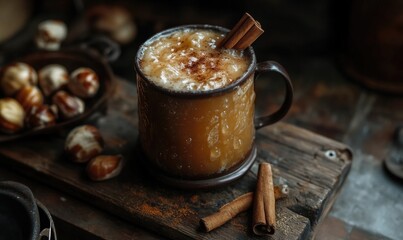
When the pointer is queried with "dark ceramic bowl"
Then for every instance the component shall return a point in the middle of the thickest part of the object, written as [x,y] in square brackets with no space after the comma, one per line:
[71,59]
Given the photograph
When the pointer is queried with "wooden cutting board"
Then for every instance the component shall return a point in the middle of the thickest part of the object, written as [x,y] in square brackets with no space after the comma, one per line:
[314,167]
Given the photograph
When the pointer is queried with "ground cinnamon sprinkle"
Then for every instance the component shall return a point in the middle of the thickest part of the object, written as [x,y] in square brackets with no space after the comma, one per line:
[194,198]
[173,211]
[150,210]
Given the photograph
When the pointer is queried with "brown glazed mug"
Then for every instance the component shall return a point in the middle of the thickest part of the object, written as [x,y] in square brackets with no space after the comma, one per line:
[202,139]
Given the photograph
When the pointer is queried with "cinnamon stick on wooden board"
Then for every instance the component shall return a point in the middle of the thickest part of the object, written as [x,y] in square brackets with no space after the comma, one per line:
[264,210]
[227,212]
[236,206]
[243,34]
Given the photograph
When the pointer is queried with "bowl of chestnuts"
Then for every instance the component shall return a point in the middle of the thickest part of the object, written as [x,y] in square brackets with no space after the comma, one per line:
[47,91]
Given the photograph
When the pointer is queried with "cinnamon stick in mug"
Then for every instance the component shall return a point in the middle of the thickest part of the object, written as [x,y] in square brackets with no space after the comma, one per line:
[236,33]
[264,211]
[243,34]
[249,37]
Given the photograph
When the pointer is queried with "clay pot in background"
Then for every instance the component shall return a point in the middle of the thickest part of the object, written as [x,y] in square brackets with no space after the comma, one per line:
[375,45]
[13,17]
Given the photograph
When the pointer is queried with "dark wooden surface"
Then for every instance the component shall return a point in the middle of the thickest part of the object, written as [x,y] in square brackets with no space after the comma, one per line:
[298,157]
[78,219]
[326,102]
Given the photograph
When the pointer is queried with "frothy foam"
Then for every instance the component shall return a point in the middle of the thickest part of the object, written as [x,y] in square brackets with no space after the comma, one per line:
[189,61]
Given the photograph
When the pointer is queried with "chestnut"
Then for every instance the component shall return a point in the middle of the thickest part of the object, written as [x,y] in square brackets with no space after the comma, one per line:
[50,34]
[68,105]
[113,20]
[40,117]
[15,76]
[83,143]
[83,82]
[29,96]
[52,78]
[11,115]
[125,34]
[104,167]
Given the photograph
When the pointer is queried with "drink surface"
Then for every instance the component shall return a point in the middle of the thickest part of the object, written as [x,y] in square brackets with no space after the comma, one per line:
[189,61]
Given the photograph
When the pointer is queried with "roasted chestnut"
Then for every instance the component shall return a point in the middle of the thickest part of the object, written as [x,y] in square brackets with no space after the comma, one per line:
[84,82]
[50,34]
[52,78]
[104,167]
[83,143]
[16,76]
[29,96]
[11,115]
[40,117]
[69,106]
[114,21]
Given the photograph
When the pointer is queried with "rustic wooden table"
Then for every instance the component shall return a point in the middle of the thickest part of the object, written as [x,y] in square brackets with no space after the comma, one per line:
[326,102]
[134,206]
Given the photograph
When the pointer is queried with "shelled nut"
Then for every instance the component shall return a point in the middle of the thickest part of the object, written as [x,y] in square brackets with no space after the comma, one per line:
[52,78]
[40,117]
[104,167]
[11,115]
[29,96]
[16,76]
[84,82]
[83,143]
[50,34]
[68,105]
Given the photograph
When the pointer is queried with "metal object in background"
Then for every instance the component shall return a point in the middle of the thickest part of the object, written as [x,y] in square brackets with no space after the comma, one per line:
[106,47]
[394,162]
[22,216]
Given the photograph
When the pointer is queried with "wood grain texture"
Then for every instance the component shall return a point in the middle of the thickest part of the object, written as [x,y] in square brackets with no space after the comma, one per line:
[299,158]
[76,219]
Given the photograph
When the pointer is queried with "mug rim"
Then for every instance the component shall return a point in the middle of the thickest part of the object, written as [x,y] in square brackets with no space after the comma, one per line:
[218,91]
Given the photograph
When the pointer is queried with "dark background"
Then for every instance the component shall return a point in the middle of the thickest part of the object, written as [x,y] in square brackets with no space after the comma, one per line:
[307,37]
[292,27]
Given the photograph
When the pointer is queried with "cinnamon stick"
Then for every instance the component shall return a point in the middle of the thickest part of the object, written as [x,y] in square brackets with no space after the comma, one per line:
[264,215]
[227,212]
[243,34]
[233,208]
[249,37]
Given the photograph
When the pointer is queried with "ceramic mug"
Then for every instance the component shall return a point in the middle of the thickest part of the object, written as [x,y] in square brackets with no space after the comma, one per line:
[197,139]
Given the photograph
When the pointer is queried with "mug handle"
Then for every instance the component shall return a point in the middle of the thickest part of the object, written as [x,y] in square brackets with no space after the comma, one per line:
[272,66]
